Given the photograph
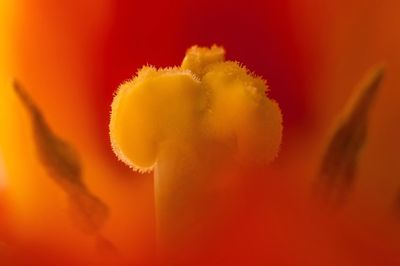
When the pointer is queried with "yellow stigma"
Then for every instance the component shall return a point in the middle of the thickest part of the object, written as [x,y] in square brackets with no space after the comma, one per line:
[197,59]
[240,114]
[205,98]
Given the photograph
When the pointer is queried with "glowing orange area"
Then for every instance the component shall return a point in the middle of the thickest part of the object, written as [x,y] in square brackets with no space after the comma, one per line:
[2,174]
[199,126]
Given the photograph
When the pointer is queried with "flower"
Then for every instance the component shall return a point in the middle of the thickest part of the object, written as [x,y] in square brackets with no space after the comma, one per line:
[72,55]
[190,123]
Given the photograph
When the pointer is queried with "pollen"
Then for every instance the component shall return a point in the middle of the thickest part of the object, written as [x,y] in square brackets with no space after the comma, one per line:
[204,98]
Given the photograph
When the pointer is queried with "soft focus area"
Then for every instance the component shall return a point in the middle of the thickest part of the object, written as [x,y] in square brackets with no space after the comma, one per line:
[72,55]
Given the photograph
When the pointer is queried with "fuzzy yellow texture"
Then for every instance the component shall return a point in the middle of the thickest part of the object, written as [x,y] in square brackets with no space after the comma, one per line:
[206,97]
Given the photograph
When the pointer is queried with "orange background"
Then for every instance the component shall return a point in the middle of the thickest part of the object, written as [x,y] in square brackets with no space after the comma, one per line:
[72,55]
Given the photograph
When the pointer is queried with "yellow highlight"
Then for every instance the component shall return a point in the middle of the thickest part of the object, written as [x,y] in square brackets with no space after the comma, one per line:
[7,24]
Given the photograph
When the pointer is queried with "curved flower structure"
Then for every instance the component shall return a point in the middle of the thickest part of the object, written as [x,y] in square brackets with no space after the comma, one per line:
[71,55]
[206,98]
[189,123]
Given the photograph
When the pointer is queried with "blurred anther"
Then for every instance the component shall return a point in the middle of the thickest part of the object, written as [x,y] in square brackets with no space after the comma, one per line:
[63,165]
[338,167]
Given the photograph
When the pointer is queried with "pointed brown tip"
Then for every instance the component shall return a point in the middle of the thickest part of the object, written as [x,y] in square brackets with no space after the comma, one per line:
[374,78]
[24,97]
[338,167]
[365,93]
